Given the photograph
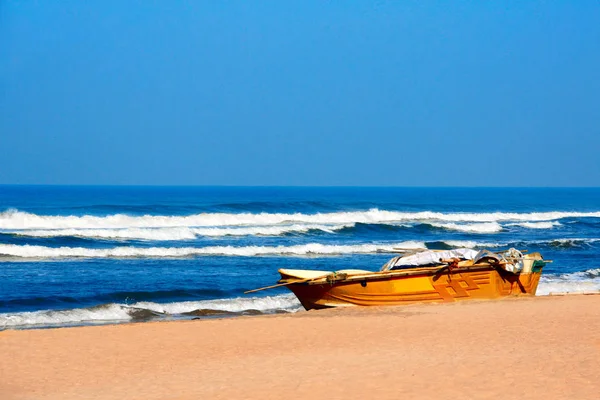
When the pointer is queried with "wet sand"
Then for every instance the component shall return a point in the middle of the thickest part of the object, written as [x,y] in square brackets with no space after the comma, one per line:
[530,348]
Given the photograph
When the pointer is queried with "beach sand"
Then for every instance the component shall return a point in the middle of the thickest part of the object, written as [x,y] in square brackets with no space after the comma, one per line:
[527,348]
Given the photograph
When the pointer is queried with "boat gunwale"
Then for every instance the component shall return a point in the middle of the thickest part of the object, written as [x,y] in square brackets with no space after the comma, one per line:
[382,275]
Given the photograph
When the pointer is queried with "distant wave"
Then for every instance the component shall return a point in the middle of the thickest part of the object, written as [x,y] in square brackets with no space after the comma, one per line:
[536,225]
[14,219]
[189,233]
[179,233]
[470,244]
[9,252]
[567,242]
[553,243]
[34,252]
[111,313]
[485,227]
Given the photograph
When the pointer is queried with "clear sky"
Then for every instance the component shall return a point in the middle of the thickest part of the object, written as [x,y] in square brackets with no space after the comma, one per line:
[300,93]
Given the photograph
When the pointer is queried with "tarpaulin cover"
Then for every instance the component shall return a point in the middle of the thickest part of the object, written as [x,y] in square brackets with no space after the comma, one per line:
[430,257]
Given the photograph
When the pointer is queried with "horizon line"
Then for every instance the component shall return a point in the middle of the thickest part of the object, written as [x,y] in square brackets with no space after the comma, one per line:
[294,186]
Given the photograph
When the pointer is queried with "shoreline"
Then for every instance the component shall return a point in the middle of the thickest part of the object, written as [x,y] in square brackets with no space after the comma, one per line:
[202,314]
[531,347]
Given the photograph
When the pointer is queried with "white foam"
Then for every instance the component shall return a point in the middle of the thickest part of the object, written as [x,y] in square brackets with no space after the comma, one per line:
[471,244]
[179,233]
[536,225]
[268,303]
[14,219]
[155,234]
[42,252]
[567,241]
[576,282]
[107,313]
[484,227]
[120,312]
[545,242]
[32,252]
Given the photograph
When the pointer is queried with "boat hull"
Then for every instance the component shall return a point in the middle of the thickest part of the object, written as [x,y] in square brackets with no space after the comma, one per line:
[428,287]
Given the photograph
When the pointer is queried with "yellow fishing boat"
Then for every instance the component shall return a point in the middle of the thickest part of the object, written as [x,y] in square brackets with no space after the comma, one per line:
[426,276]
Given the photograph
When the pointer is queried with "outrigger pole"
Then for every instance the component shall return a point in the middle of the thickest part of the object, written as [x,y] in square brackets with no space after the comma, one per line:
[281,284]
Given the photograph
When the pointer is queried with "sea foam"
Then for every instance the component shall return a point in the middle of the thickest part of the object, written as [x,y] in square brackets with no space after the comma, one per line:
[576,282]
[114,313]
[180,233]
[32,252]
[269,303]
[35,252]
[536,225]
[485,227]
[14,219]
[99,314]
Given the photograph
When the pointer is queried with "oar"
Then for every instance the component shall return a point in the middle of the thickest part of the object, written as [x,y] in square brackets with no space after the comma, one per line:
[280,284]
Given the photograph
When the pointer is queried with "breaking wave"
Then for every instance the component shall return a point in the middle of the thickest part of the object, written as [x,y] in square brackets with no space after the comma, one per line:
[114,313]
[565,243]
[485,227]
[14,219]
[576,282]
[188,233]
[470,244]
[536,225]
[179,233]
[31,252]
[239,304]
[568,242]
[35,252]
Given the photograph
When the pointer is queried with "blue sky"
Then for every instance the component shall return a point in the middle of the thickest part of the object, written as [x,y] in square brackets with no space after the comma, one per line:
[300,93]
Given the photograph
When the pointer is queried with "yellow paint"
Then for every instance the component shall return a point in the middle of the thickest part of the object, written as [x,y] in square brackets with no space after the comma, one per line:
[421,284]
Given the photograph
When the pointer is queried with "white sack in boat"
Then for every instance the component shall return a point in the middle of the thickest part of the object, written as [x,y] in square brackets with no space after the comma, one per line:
[511,260]
[514,260]
[431,257]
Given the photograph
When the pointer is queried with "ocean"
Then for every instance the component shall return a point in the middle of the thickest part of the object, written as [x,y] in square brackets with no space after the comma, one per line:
[79,255]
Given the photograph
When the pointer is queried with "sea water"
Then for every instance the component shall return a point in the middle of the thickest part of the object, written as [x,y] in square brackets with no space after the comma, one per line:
[88,255]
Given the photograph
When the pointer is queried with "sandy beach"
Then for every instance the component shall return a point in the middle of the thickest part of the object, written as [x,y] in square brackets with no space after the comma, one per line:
[534,348]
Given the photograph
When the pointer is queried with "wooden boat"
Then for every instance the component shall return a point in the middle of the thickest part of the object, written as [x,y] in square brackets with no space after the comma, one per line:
[487,276]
